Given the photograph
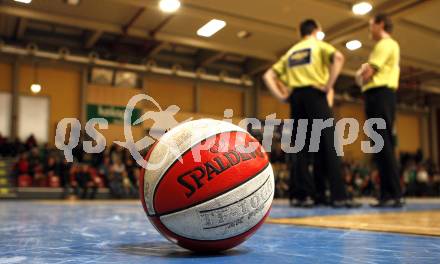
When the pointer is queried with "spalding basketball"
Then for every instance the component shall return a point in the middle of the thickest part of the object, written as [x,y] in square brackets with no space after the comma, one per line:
[208,185]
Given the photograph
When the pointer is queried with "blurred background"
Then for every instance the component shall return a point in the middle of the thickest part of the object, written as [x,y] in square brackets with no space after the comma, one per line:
[86,58]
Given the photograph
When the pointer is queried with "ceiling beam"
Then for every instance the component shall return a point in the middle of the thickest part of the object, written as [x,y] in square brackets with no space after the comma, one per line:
[127,27]
[207,14]
[134,32]
[133,20]
[174,59]
[5,27]
[421,28]
[206,57]
[92,39]
[65,20]
[21,28]
[157,49]
[187,61]
[343,6]
[161,25]
[157,46]
[54,41]
[253,66]
[206,44]
[196,42]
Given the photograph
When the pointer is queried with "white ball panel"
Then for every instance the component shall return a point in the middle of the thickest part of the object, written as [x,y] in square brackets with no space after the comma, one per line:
[227,215]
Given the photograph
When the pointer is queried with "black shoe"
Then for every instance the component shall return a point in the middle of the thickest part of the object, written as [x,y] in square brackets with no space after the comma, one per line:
[293,203]
[352,204]
[398,203]
[381,204]
[306,203]
[349,204]
[321,202]
[390,203]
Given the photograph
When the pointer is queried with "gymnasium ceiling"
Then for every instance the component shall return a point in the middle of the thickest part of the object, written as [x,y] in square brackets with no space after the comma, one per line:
[137,31]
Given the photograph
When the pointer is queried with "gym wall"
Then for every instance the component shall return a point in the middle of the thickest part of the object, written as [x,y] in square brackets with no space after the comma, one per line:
[113,96]
[216,97]
[409,132]
[268,105]
[5,77]
[408,127]
[171,91]
[353,151]
[62,86]
[213,98]
[5,98]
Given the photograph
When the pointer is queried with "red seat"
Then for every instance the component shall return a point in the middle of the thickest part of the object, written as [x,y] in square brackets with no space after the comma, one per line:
[24,180]
[96,178]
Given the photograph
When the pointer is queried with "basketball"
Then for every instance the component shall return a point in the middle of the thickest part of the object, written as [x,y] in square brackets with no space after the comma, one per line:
[210,185]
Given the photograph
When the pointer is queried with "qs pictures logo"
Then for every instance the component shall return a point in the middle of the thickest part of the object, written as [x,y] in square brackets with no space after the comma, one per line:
[164,120]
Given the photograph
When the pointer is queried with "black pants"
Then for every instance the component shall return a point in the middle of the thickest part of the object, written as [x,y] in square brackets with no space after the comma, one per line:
[380,102]
[310,103]
[85,191]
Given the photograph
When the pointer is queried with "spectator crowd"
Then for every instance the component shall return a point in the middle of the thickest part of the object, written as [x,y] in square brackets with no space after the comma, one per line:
[419,177]
[40,166]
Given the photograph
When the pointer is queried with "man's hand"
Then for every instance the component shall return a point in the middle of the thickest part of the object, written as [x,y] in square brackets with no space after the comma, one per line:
[330,96]
[276,87]
[327,88]
[283,89]
[335,69]
[364,74]
[358,77]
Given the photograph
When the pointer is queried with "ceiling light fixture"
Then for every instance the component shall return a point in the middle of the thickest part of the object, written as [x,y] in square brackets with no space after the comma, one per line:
[35,88]
[320,35]
[210,28]
[24,1]
[169,6]
[243,34]
[72,2]
[353,44]
[361,8]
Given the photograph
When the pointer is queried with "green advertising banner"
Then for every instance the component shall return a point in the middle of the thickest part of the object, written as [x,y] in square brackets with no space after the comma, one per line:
[113,114]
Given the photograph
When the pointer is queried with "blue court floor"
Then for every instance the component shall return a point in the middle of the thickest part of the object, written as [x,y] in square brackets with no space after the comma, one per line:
[118,232]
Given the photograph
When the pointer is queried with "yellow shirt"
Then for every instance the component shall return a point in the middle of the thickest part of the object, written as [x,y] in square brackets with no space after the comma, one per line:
[385,59]
[305,64]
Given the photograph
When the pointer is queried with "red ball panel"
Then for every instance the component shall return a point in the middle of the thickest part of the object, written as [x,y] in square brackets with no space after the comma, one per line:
[190,183]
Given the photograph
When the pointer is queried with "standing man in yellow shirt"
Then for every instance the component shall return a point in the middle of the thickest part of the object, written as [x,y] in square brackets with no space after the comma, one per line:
[379,79]
[304,77]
